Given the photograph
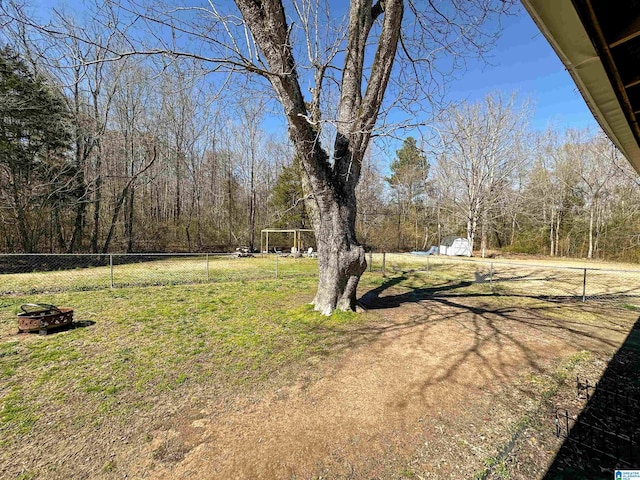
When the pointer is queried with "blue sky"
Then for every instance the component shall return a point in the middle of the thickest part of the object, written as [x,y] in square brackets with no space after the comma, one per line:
[523,61]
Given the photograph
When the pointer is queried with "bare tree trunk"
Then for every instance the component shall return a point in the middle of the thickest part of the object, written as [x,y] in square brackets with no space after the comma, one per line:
[591,214]
[483,230]
[425,238]
[128,199]
[252,202]
[341,260]
[416,227]
[20,216]
[177,211]
[124,195]
[114,219]
[97,201]
[187,229]
[80,189]
[399,232]
[552,236]
[49,235]
[557,234]
[76,236]
[198,209]
[598,229]
[57,228]
[330,190]
[100,117]
[130,219]
[229,201]
[472,224]
[471,231]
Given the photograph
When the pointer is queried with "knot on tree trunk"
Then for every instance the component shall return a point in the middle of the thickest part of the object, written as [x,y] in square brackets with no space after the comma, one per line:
[354,260]
[339,272]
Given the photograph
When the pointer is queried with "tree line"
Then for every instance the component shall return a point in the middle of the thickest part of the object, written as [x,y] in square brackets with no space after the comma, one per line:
[336,76]
[119,158]
[489,177]
[133,156]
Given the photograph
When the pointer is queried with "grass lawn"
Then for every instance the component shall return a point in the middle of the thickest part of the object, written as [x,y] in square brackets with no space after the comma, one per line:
[95,401]
[148,346]
[159,270]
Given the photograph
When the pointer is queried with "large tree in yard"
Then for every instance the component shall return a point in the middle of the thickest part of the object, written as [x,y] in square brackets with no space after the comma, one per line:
[374,33]
[341,74]
[330,186]
[375,30]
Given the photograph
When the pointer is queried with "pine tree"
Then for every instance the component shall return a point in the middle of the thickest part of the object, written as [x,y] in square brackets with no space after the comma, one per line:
[34,137]
[408,181]
[287,199]
[409,170]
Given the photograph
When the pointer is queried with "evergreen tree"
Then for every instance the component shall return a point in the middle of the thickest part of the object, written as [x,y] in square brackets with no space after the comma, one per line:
[287,199]
[409,170]
[408,181]
[34,137]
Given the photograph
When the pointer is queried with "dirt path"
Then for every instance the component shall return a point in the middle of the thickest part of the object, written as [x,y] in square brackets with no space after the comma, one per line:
[432,389]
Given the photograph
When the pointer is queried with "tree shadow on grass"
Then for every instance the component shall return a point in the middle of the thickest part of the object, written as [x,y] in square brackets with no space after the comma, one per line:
[605,435]
[602,439]
[495,336]
[453,294]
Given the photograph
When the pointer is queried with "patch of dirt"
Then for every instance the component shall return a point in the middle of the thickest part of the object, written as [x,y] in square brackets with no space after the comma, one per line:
[438,389]
[431,384]
[172,450]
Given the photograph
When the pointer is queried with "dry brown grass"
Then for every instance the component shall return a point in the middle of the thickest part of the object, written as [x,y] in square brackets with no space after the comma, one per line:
[241,380]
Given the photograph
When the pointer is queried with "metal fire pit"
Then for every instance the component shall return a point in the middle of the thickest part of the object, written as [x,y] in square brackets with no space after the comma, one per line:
[42,317]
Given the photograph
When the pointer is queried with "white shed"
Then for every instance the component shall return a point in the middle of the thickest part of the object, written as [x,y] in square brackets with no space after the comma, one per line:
[454,245]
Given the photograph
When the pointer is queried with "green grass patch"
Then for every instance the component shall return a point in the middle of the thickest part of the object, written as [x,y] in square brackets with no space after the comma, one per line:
[150,341]
[628,306]
[545,385]
[163,271]
[17,415]
[149,348]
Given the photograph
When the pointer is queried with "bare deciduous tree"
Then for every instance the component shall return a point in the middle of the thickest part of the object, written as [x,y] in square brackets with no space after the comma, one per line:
[592,159]
[379,61]
[480,155]
[330,177]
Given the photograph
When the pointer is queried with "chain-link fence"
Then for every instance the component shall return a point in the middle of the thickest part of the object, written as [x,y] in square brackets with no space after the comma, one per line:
[25,274]
[38,273]
[619,288]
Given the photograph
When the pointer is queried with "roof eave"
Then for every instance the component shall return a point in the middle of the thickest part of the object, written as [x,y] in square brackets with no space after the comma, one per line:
[560,24]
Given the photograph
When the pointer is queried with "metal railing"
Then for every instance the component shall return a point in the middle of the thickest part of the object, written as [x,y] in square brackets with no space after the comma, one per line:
[606,426]
[34,273]
[616,287]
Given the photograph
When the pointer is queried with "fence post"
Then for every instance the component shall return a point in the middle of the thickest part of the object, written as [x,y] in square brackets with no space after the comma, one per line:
[207,267]
[277,264]
[491,276]
[111,268]
[584,286]
[384,261]
[370,260]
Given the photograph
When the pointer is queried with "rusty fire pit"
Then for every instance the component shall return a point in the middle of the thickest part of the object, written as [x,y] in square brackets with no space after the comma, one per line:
[42,317]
